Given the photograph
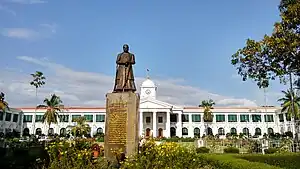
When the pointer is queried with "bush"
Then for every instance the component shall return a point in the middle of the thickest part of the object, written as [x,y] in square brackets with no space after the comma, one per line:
[202,150]
[288,161]
[226,161]
[271,150]
[231,150]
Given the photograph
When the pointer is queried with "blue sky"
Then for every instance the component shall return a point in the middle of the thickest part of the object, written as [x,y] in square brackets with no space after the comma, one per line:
[189,41]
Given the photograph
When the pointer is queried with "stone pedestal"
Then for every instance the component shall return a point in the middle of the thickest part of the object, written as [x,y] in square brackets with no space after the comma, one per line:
[122,124]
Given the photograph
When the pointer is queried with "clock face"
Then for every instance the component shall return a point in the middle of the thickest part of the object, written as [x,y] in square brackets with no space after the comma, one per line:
[148,91]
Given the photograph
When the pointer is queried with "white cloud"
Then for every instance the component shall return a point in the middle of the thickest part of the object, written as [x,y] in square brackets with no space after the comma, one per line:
[30,34]
[27,1]
[88,89]
[7,10]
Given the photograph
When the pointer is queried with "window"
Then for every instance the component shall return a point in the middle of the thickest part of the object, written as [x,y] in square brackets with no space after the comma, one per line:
[269,118]
[244,117]
[1,115]
[221,131]
[185,131]
[74,117]
[220,118]
[257,131]
[99,130]
[281,119]
[100,118]
[173,118]
[196,118]
[148,120]
[185,117]
[63,132]
[27,118]
[88,118]
[160,119]
[233,131]
[256,118]
[15,118]
[232,118]
[8,117]
[64,118]
[246,131]
[51,131]
[288,117]
[39,118]
[197,132]
[270,131]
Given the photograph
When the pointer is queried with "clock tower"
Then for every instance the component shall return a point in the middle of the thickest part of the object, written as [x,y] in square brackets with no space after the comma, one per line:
[148,89]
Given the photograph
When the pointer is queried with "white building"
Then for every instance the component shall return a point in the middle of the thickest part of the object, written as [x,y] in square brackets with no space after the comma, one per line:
[166,120]
[11,120]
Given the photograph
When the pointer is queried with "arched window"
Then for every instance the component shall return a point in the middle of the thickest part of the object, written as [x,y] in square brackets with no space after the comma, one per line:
[38,131]
[51,131]
[185,131]
[221,131]
[99,130]
[63,131]
[26,132]
[209,131]
[257,131]
[270,131]
[197,132]
[233,130]
[246,131]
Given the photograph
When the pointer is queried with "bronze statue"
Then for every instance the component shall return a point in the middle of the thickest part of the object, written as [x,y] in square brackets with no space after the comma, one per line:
[124,81]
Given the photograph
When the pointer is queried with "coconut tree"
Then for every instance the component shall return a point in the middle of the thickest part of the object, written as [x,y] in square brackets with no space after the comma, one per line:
[208,115]
[37,81]
[3,103]
[53,106]
[290,104]
[81,128]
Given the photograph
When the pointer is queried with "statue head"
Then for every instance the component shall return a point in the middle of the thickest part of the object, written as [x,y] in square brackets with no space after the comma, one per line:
[125,48]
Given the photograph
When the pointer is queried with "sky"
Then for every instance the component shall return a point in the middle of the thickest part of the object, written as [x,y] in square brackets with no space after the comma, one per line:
[186,45]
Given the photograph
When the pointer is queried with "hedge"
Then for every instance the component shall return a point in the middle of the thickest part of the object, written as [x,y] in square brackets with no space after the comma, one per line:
[288,161]
[228,161]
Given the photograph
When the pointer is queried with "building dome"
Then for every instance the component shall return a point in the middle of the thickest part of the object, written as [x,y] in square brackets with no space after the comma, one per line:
[148,84]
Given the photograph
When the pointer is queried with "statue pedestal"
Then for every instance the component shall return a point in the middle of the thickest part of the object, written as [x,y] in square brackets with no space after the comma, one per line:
[121,124]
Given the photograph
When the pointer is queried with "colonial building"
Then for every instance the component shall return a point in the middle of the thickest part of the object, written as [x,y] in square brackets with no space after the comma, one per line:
[162,119]
[11,120]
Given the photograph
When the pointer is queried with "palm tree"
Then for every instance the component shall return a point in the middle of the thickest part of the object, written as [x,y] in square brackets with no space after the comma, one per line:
[81,127]
[208,115]
[38,81]
[3,103]
[53,106]
[290,104]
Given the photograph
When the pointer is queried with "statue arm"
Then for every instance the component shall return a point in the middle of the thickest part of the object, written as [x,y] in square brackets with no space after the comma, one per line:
[132,59]
[118,59]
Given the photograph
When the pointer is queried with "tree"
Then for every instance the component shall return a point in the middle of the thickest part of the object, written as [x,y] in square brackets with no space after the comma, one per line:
[52,106]
[290,104]
[276,55]
[38,81]
[3,103]
[208,115]
[81,127]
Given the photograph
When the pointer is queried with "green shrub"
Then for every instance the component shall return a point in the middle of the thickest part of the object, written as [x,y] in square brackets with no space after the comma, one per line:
[288,161]
[231,150]
[271,150]
[226,161]
[202,150]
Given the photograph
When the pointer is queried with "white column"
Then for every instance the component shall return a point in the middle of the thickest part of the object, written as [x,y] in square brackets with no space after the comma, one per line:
[179,126]
[154,124]
[168,124]
[141,123]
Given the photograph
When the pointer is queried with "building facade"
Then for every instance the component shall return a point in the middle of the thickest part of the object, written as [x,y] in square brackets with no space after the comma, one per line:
[11,120]
[161,119]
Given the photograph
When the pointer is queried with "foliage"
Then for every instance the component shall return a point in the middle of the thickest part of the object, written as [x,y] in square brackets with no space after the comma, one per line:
[202,150]
[166,155]
[53,106]
[290,104]
[287,160]
[231,150]
[271,150]
[275,55]
[38,79]
[176,139]
[207,105]
[222,161]
[3,103]
[81,127]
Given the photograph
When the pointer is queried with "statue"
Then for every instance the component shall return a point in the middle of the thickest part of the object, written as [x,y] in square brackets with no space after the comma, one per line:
[124,81]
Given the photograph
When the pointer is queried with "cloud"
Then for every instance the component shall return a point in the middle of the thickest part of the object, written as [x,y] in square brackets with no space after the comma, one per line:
[7,10]
[45,31]
[88,89]
[27,1]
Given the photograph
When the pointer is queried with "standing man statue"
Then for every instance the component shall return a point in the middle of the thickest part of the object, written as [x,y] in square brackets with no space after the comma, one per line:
[124,81]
